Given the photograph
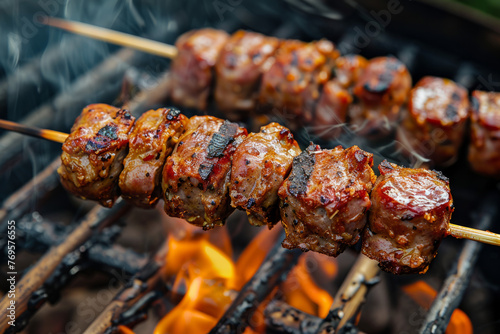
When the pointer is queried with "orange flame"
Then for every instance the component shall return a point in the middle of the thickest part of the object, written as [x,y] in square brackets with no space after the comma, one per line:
[300,289]
[423,294]
[201,265]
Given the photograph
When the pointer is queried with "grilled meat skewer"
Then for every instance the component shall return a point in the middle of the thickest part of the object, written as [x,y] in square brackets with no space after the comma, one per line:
[324,200]
[331,109]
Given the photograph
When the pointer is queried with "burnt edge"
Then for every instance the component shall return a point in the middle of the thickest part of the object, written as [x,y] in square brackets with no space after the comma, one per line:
[302,168]
[221,139]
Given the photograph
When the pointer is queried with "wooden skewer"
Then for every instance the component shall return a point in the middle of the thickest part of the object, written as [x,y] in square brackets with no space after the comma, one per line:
[114,37]
[456,231]
[51,135]
[486,237]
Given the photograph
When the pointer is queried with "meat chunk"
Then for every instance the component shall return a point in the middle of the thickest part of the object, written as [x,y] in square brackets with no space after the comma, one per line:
[411,211]
[434,126]
[331,110]
[325,199]
[382,90]
[484,148]
[260,164]
[239,70]
[93,153]
[196,176]
[153,138]
[292,85]
[192,69]
[348,69]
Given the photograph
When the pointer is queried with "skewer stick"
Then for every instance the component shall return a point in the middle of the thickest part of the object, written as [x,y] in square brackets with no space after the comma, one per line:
[113,37]
[486,237]
[51,135]
[456,231]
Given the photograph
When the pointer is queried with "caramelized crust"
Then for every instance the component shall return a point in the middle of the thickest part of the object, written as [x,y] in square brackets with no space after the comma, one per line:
[192,69]
[239,69]
[348,69]
[196,176]
[484,147]
[435,125]
[93,153]
[382,90]
[260,164]
[325,199]
[411,211]
[153,138]
[292,85]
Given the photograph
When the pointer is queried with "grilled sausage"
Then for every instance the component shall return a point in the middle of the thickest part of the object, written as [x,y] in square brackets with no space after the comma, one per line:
[484,148]
[410,215]
[382,90]
[91,161]
[243,60]
[197,175]
[348,69]
[434,125]
[153,138]
[192,69]
[260,164]
[292,85]
[325,199]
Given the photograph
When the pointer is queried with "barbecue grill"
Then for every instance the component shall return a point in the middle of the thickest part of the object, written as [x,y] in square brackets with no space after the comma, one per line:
[70,253]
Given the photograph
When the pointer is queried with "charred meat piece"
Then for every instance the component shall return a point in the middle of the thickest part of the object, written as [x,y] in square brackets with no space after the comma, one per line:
[153,138]
[292,85]
[434,125]
[93,153]
[239,70]
[382,91]
[325,199]
[260,164]
[348,69]
[484,148]
[411,211]
[192,69]
[331,110]
[196,177]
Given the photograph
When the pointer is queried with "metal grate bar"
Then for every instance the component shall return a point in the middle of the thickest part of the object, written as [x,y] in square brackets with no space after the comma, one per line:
[95,220]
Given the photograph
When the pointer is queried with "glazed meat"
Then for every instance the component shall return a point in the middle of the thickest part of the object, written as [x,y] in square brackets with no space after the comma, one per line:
[348,69]
[325,199]
[434,125]
[196,176]
[382,90]
[239,70]
[293,84]
[153,138]
[331,110]
[484,148]
[260,164]
[192,69]
[92,156]
[411,211]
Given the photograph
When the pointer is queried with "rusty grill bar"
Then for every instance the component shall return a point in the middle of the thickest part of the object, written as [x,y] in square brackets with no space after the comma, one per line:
[91,242]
